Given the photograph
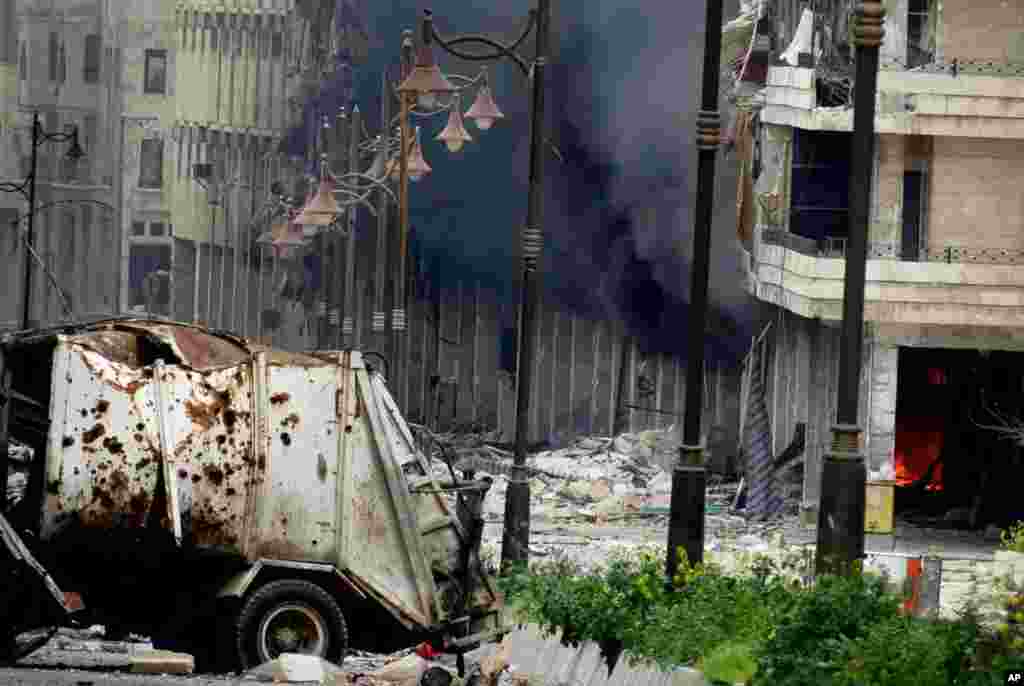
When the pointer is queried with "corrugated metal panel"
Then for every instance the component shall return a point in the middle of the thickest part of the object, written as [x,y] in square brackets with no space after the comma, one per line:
[548,663]
[764,497]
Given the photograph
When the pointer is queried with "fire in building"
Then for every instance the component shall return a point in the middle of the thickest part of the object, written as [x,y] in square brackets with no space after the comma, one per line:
[942,380]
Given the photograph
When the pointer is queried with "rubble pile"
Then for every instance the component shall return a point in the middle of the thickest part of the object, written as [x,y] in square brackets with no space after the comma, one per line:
[19,458]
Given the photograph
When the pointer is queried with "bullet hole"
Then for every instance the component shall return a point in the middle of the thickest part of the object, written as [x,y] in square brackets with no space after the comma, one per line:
[182,474]
[140,427]
[113,445]
[85,412]
[102,406]
[348,429]
[214,474]
[279,398]
[196,478]
[67,441]
[143,463]
[314,541]
[231,491]
[53,487]
[92,434]
[139,437]
[286,439]
[76,471]
[221,439]
[230,417]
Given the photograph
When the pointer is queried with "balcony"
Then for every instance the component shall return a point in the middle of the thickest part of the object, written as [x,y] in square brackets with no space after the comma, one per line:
[944,286]
[983,100]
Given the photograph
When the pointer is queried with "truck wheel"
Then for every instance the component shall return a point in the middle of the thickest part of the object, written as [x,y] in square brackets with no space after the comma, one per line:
[290,616]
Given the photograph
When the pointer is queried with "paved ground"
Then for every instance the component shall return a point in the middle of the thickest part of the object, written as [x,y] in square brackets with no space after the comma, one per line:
[33,676]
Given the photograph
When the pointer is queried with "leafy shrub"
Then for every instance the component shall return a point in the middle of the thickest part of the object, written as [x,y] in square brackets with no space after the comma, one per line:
[1013,538]
[810,640]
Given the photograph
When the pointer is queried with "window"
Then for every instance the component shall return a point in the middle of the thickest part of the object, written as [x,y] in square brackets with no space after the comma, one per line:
[138,228]
[149,269]
[214,40]
[276,44]
[918,35]
[91,63]
[151,164]
[23,64]
[54,55]
[821,181]
[157,229]
[156,72]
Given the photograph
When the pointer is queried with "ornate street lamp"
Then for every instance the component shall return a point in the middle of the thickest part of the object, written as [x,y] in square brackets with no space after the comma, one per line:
[27,189]
[840,544]
[689,475]
[515,542]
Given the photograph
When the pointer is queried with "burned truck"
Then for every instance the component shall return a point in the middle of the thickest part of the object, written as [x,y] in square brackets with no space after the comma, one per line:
[228,499]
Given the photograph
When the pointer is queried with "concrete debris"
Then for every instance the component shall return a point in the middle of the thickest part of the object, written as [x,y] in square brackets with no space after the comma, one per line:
[162,662]
[293,668]
[20,456]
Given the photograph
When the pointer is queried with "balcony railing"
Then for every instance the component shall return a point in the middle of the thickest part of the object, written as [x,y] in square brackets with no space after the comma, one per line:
[835,247]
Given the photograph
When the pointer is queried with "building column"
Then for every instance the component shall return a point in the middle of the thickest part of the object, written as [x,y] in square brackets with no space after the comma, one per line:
[882,412]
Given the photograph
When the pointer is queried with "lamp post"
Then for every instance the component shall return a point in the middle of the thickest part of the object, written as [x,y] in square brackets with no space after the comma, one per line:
[27,189]
[686,518]
[840,544]
[427,80]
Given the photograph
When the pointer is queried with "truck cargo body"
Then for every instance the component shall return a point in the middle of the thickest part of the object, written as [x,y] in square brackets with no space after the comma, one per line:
[177,471]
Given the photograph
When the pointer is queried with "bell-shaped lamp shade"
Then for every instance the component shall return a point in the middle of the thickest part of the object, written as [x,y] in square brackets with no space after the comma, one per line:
[323,208]
[378,169]
[484,111]
[425,80]
[418,167]
[454,134]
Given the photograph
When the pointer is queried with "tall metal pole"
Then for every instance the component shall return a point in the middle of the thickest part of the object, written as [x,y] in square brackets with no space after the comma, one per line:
[379,313]
[348,326]
[686,518]
[516,536]
[398,305]
[841,510]
[26,304]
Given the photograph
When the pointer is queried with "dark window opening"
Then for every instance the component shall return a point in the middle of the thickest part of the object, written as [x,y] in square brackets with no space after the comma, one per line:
[913,214]
[276,45]
[138,228]
[91,63]
[155,79]
[54,55]
[149,278]
[157,229]
[151,163]
[23,64]
[820,187]
[918,34]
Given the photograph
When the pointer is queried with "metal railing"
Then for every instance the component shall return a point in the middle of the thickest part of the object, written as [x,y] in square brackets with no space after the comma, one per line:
[835,247]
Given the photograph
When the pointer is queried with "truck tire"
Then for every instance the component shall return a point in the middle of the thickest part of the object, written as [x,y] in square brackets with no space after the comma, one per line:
[290,616]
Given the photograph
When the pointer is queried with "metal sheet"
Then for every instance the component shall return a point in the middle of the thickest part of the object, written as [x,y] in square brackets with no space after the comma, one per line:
[116,458]
[296,511]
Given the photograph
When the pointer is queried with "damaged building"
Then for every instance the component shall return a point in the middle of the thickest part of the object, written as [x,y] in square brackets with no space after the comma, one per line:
[942,383]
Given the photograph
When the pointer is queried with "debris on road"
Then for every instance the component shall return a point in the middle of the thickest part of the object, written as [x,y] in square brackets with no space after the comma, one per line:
[292,668]
[162,662]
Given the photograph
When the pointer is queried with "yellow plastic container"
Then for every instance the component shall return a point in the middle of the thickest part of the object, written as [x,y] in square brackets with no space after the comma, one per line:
[878,507]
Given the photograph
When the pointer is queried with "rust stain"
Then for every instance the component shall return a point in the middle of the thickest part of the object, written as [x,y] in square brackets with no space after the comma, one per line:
[368,521]
[279,398]
[92,434]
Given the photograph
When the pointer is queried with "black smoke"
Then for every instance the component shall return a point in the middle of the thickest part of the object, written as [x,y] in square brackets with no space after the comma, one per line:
[623,95]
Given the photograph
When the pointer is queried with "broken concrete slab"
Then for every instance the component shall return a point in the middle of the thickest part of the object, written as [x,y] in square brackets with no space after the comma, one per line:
[162,662]
[293,668]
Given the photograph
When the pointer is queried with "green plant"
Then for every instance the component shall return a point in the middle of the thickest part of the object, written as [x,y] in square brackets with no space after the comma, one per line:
[811,639]
[730,663]
[1013,537]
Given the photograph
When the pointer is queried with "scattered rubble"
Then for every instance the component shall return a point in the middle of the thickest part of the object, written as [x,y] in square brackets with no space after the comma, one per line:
[162,662]
[19,457]
[293,668]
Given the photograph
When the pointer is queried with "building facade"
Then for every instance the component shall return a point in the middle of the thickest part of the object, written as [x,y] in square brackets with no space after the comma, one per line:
[944,309]
[155,88]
